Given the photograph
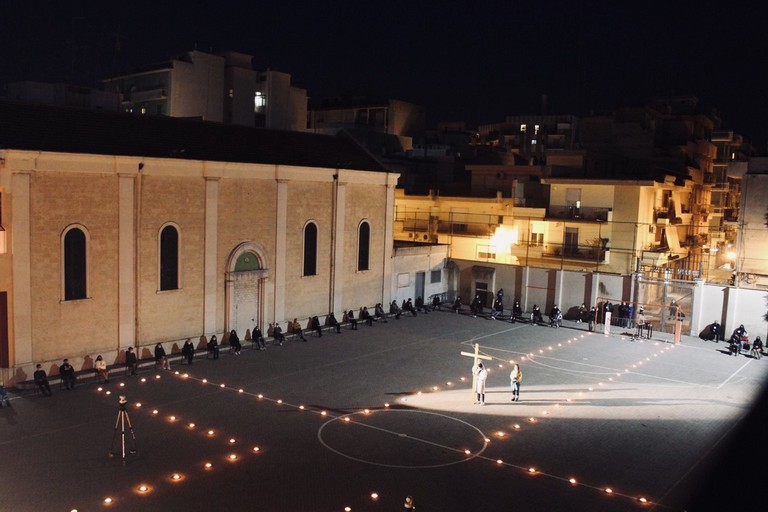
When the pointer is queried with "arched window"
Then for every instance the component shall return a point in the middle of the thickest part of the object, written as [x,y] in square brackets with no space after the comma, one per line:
[310,249]
[75,265]
[169,258]
[363,246]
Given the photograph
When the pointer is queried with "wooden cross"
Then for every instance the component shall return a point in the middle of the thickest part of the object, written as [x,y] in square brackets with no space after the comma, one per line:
[476,355]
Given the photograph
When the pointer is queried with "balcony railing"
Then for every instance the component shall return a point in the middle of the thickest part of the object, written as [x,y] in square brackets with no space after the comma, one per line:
[590,213]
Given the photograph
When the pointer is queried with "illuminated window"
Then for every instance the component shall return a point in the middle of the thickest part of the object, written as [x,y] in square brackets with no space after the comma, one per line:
[363,246]
[75,264]
[535,129]
[522,128]
[310,249]
[169,258]
[259,102]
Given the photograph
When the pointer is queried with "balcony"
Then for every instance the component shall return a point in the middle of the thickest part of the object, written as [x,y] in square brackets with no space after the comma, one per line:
[586,213]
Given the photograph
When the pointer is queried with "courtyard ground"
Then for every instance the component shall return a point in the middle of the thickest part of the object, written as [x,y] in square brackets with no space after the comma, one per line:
[359,420]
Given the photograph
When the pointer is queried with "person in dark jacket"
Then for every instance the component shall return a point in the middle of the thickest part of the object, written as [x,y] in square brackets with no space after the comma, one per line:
[234,342]
[131,363]
[188,351]
[67,372]
[41,379]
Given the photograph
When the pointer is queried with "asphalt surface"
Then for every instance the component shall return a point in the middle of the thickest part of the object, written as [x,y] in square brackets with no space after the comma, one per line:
[364,418]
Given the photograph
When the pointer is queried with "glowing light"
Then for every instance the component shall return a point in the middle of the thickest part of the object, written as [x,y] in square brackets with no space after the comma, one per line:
[301,407]
[205,381]
[143,488]
[208,465]
[240,390]
[157,376]
[499,461]
[572,480]
[608,490]
[642,500]
[232,456]
[418,394]
[210,432]
[122,384]
[500,434]
[172,418]
[109,392]
[516,426]
[374,496]
[256,449]
[386,404]
[176,372]
[467,452]
[186,375]
[155,411]
[531,470]
[99,389]
[449,383]
[108,500]
[346,418]
[143,379]
[176,477]
[279,401]
[232,440]
[221,385]
[323,413]
[260,395]
[347,509]
[367,411]
[138,404]
[191,425]
[532,420]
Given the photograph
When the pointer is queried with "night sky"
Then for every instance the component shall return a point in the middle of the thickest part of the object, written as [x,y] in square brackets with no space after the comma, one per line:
[471,61]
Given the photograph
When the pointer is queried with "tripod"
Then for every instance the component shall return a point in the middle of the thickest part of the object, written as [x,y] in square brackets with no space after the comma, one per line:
[122,419]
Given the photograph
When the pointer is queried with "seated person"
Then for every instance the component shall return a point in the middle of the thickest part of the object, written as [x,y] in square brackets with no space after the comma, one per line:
[555,316]
[394,309]
[160,357]
[498,309]
[213,347]
[351,319]
[536,316]
[517,312]
[130,361]
[379,313]
[332,322]
[408,306]
[234,342]
[457,305]
[277,334]
[757,348]
[435,302]
[41,379]
[314,324]
[258,338]
[67,372]
[420,305]
[100,365]
[365,315]
[295,328]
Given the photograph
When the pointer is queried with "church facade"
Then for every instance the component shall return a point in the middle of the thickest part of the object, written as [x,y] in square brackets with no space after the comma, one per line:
[122,231]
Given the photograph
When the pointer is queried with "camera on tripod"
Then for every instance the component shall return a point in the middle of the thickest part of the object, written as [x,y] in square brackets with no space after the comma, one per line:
[122,401]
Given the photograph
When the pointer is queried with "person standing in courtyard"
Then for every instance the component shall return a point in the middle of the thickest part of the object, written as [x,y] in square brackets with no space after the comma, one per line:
[515,378]
[481,375]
